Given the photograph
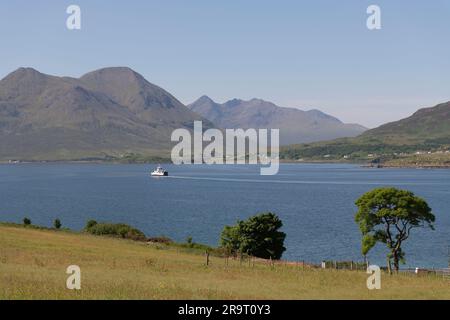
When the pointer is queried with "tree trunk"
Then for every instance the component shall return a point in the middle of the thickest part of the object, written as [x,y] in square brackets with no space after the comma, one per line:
[389,265]
[396,261]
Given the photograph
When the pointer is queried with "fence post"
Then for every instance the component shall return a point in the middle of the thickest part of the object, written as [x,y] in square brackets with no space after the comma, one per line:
[207,257]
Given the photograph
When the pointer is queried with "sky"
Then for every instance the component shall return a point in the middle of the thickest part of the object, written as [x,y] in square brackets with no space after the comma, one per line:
[316,54]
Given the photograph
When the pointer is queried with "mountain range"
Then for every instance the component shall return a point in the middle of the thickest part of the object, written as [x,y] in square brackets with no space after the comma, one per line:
[115,113]
[106,113]
[427,130]
[296,126]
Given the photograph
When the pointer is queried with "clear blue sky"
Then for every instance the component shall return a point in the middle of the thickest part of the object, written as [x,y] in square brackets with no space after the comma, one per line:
[305,54]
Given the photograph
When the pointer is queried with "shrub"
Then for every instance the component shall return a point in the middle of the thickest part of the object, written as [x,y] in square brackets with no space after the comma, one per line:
[57,224]
[90,224]
[163,240]
[116,230]
[26,221]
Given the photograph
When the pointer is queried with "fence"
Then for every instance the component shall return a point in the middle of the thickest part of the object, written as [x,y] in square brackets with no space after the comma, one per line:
[250,261]
[344,265]
[444,273]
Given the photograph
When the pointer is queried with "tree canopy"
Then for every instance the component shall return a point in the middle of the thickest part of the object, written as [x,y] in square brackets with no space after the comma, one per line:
[258,236]
[388,215]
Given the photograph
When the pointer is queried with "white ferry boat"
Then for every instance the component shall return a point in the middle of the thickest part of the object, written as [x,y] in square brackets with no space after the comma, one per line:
[159,172]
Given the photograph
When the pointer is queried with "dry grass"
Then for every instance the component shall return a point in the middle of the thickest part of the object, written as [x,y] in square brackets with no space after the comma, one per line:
[33,264]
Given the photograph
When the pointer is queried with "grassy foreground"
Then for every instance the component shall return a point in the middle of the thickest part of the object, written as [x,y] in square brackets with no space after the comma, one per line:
[33,265]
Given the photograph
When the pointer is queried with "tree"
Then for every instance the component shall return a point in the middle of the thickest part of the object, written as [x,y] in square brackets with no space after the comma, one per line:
[258,236]
[190,241]
[90,224]
[26,221]
[388,215]
[230,239]
[57,224]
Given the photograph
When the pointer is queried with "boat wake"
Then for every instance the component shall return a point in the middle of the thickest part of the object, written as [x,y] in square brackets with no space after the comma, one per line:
[267,180]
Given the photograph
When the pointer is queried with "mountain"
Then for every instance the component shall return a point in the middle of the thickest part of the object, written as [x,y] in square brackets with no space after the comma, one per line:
[426,126]
[427,130]
[295,125]
[106,113]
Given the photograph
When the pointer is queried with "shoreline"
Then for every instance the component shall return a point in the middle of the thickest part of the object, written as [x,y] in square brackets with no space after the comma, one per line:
[100,162]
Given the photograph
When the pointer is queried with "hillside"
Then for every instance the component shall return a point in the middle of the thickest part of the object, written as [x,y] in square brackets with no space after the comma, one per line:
[295,125]
[105,114]
[33,265]
[425,132]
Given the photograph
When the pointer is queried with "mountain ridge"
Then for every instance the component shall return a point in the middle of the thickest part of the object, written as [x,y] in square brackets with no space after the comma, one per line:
[295,125]
[106,113]
[427,130]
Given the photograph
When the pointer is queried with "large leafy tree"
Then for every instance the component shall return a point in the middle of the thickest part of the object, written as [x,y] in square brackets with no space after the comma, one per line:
[258,236]
[388,215]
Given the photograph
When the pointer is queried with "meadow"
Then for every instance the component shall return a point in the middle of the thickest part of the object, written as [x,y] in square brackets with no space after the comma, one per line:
[33,265]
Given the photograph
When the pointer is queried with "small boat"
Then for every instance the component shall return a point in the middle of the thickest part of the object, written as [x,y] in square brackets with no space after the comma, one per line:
[159,172]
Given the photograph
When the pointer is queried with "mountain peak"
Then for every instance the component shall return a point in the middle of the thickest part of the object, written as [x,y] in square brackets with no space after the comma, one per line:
[322,115]
[233,103]
[204,99]
[27,70]
[122,73]
[295,125]
[25,73]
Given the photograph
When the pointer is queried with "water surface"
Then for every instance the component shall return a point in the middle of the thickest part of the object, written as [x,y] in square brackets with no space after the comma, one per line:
[315,202]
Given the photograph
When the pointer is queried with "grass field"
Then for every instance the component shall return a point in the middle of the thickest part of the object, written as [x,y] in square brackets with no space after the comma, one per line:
[33,265]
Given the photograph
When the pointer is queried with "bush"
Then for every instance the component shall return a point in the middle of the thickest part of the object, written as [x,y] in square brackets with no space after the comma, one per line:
[26,221]
[163,240]
[90,224]
[190,241]
[257,236]
[116,230]
[57,224]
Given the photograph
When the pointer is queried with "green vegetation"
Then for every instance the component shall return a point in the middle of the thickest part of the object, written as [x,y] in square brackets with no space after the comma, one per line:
[428,130]
[140,158]
[115,230]
[388,215]
[26,221]
[359,150]
[425,160]
[258,236]
[57,224]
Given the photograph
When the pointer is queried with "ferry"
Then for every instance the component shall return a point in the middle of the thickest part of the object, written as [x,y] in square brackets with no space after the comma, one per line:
[159,172]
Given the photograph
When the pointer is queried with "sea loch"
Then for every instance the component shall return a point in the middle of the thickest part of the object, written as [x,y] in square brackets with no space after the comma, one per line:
[315,202]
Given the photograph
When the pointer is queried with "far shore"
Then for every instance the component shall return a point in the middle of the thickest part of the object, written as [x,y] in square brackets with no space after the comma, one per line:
[283,161]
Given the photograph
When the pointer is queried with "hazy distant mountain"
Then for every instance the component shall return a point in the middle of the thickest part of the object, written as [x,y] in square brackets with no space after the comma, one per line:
[296,126]
[108,112]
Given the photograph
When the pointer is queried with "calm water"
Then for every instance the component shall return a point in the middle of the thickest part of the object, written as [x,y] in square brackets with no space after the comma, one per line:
[315,202]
